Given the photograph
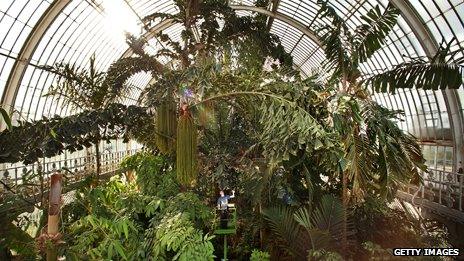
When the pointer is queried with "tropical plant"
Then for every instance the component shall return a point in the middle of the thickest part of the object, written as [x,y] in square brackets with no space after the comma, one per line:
[442,71]
[257,255]
[308,229]
[346,48]
[29,141]
[120,221]
[379,156]
[85,89]
[203,35]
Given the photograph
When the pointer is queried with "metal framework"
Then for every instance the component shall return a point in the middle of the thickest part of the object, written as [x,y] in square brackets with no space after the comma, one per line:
[29,47]
[45,32]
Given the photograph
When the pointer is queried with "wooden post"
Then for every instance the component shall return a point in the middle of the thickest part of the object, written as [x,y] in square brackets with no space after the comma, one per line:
[54,214]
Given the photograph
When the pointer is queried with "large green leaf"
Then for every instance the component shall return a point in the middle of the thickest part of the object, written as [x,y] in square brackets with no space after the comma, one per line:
[6,118]
[330,217]
[370,36]
[285,229]
[439,72]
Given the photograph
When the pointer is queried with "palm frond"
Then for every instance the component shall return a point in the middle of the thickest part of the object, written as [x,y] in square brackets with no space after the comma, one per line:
[438,72]
[282,122]
[330,216]
[370,36]
[285,229]
[327,11]
[319,238]
[78,87]
[124,68]
[359,156]
[399,157]
[334,38]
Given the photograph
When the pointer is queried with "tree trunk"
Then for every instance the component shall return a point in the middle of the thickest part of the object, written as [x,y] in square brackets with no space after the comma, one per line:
[344,183]
[345,206]
[54,215]
[97,157]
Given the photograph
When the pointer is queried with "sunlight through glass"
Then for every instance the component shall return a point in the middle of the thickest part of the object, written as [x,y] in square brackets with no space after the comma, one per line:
[119,19]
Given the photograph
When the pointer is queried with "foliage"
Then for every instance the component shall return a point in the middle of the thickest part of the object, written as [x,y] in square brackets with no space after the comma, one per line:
[153,174]
[5,118]
[121,70]
[379,156]
[48,137]
[245,35]
[344,48]
[288,145]
[308,228]
[257,255]
[441,71]
[271,101]
[347,48]
[117,221]
[176,233]
[115,238]
[82,88]
[15,238]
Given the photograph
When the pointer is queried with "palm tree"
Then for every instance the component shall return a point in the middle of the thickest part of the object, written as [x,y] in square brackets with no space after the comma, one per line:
[347,48]
[86,89]
[377,155]
[309,231]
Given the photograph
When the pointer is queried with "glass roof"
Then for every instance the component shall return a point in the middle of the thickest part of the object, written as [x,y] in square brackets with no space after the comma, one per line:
[43,32]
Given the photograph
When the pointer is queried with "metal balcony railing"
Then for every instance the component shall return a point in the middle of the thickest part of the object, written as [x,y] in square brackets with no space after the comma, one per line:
[443,189]
[75,170]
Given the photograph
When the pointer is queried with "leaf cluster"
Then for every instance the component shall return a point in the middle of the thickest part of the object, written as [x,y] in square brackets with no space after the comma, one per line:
[29,141]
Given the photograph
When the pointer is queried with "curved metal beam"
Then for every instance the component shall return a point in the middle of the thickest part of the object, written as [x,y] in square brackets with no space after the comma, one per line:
[430,47]
[27,51]
[276,15]
[282,17]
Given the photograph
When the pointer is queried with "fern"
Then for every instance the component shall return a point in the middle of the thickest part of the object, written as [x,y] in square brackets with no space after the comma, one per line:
[176,234]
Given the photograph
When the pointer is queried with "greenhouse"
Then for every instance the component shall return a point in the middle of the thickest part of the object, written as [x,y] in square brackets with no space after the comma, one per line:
[231,130]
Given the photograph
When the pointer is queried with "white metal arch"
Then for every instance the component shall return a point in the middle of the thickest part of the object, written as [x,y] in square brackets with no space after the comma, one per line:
[430,47]
[27,51]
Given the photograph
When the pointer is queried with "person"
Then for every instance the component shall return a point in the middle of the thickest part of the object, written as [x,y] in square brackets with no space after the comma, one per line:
[222,203]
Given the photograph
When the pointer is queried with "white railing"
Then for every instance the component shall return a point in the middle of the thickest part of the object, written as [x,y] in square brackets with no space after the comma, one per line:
[75,169]
[442,187]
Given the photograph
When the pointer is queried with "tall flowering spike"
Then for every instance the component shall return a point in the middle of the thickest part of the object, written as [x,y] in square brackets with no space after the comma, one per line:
[186,160]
